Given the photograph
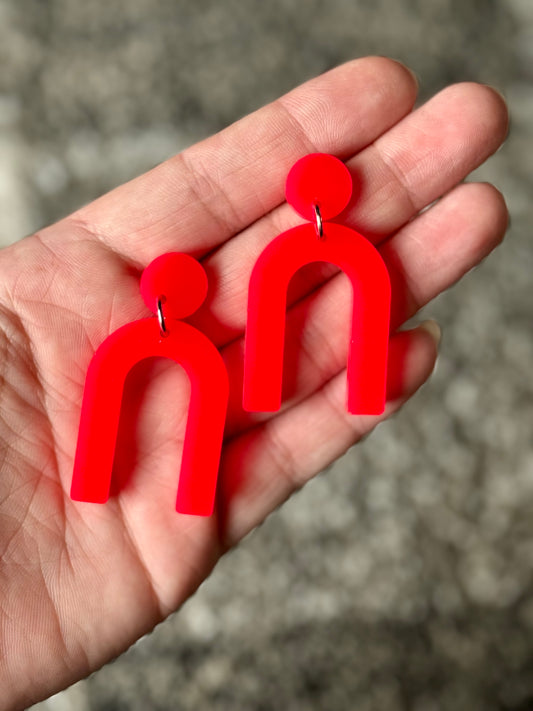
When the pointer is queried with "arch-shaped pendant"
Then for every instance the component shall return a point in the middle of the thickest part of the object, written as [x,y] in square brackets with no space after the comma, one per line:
[318,185]
[133,343]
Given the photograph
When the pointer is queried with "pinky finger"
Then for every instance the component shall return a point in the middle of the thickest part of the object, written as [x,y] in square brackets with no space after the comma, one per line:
[265,465]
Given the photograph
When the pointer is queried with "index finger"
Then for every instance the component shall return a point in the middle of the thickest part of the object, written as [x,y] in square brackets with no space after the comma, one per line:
[201,197]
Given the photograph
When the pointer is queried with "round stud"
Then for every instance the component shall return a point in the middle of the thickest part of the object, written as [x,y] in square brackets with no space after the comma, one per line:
[177,281]
[318,179]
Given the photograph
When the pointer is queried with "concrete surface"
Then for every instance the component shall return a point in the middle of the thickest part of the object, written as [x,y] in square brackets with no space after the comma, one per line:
[401,578]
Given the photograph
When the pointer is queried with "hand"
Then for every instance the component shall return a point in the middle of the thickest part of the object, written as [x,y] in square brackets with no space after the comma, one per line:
[81,582]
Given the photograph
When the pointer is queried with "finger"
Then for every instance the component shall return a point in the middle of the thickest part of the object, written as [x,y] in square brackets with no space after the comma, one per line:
[438,248]
[266,465]
[413,164]
[201,197]
[424,258]
[426,155]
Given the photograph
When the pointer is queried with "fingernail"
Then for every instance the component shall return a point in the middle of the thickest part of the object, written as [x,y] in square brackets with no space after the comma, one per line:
[499,91]
[433,328]
[414,75]
[404,66]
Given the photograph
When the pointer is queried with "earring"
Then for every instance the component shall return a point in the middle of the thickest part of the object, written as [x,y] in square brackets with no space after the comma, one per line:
[173,286]
[319,187]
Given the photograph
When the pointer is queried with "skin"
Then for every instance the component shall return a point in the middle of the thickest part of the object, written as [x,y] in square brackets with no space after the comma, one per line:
[79,583]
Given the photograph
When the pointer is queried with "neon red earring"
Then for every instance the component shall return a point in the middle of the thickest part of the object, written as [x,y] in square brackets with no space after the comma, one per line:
[173,286]
[318,187]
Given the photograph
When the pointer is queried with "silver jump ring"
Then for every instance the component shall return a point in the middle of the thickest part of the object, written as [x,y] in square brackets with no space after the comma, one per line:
[161,318]
[318,223]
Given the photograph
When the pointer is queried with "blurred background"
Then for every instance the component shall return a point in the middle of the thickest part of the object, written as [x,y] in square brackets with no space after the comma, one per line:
[402,577]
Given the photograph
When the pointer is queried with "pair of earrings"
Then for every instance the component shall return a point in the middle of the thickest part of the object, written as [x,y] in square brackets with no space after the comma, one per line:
[174,286]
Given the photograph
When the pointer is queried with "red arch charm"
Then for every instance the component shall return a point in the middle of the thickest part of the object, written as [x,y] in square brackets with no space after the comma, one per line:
[265,330]
[181,277]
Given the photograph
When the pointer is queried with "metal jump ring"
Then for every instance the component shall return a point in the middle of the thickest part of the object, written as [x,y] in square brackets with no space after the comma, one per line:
[161,317]
[319,225]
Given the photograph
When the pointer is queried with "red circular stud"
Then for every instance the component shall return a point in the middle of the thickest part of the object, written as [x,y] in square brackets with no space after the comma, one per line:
[179,280]
[318,179]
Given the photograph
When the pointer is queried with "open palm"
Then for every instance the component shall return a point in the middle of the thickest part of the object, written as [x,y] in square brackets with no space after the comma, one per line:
[80,582]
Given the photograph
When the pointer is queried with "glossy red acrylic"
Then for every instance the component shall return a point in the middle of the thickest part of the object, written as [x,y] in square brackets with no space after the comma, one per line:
[180,283]
[318,181]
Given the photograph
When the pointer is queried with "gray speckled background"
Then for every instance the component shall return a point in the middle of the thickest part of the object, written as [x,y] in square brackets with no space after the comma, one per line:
[401,578]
